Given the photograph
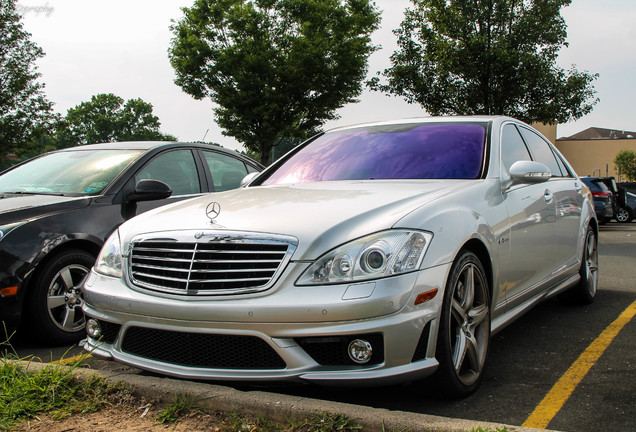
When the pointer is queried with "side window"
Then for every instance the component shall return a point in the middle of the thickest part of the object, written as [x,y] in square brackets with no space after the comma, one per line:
[566,172]
[175,168]
[513,148]
[227,172]
[541,151]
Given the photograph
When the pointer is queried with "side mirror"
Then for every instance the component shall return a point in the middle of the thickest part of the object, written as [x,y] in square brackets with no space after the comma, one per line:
[527,172]
[150,190]
[248,179]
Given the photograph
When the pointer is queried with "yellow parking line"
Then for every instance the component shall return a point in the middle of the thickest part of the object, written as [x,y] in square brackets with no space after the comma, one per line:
[72,359]
[554,400]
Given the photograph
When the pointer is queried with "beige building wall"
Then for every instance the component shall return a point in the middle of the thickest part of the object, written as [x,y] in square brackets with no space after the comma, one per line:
[547,130]
[594,156]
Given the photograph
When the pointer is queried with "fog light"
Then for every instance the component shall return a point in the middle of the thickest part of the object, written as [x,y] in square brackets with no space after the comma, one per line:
[360,351]
[93,328]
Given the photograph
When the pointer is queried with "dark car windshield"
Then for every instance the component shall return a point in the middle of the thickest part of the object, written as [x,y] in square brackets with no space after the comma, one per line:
[411,151]
[83,172]
[595,185]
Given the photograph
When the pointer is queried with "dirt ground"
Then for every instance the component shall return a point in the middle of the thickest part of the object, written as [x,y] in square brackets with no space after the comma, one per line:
[123,419]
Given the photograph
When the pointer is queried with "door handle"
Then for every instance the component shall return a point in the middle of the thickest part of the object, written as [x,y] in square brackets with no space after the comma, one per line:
[547,196]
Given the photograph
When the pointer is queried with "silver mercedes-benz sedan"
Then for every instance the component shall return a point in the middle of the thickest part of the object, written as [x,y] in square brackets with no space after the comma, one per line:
[371,254]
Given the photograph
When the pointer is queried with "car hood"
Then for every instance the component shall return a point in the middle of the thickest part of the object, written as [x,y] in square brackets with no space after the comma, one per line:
[320,215]
[16,207]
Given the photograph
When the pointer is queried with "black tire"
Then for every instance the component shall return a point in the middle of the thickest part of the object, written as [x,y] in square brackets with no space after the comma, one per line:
[464,333]
[623,215]
[584,292]
[55,305]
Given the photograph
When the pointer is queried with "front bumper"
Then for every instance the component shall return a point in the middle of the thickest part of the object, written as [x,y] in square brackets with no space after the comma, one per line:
[177,336]
[10,305]
[10,315]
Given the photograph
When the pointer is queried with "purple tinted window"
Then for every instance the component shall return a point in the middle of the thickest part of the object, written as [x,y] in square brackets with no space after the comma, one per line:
[414,151]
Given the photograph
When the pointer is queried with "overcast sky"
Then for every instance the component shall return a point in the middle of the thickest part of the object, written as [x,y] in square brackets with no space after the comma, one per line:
[120,47]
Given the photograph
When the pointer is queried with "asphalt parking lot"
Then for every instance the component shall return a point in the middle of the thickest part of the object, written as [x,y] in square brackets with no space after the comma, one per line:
[526,361]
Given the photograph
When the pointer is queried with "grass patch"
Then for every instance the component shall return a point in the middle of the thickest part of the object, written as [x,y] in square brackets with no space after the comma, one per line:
[235,422]
[53,390]
[324,422]
[327,422]
[184,404]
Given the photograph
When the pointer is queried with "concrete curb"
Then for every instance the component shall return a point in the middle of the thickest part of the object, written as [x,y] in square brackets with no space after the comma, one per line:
[283,407]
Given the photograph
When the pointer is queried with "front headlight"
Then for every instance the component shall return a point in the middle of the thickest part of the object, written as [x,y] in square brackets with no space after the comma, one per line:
[109,260]
[6,229]
[378,255]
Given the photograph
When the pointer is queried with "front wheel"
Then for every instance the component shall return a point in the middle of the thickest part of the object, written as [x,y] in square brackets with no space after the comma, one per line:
[55,304]
[464,332]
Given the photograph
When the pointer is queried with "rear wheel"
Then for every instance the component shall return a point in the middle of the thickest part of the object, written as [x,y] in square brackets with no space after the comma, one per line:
[585,291]
[464,333]
[55,303]
[623,215]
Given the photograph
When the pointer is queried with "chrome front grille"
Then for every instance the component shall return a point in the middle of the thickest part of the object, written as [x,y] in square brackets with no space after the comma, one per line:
[210,265]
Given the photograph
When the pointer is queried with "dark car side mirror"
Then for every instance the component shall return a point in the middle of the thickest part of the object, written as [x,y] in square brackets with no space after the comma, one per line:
[150,190]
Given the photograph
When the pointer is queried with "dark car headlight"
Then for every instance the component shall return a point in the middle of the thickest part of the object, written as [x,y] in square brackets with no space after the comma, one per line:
[378,255]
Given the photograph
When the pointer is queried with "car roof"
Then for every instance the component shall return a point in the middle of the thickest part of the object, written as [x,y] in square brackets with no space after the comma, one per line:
[152,145]
[139,145]
[431,119]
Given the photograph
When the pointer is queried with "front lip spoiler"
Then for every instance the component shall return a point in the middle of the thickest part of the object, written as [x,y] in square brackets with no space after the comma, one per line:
[353,378]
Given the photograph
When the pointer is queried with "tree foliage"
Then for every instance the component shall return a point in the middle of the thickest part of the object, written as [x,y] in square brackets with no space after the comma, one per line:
[487,57]
[625,162]
[25,112]
[106,118]
[274,68]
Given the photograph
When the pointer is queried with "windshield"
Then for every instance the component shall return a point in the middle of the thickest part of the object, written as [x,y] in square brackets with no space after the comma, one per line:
[412,151]
[84,172]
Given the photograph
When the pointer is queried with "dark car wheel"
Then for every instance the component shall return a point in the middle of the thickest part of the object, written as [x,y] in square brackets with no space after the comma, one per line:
[623,215]
[55,304]
[585,291]
[464,334]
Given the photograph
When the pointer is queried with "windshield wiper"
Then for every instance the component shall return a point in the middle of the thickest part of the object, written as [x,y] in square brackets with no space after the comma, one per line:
[5,194]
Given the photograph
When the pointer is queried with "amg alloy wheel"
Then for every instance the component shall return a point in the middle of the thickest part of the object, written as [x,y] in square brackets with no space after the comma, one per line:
[588,285]
[464,335]
[585,291]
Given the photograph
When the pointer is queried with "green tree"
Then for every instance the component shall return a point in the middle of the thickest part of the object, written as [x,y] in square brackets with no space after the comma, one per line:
[625,162]
[487,57]
[275,68]
[25,112]
[106,118]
